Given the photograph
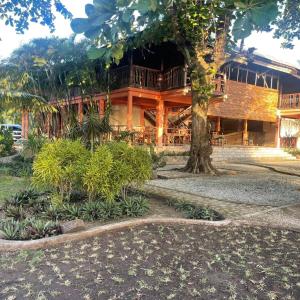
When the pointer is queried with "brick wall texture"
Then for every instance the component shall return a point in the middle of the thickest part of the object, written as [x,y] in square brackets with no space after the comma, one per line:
[246,101]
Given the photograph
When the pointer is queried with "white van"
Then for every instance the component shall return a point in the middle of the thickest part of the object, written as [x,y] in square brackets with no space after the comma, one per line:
[16,130]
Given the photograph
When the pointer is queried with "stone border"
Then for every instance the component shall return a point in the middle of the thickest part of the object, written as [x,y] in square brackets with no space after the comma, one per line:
[7,245]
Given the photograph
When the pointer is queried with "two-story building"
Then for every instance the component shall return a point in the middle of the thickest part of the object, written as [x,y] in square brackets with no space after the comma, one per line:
[255,102]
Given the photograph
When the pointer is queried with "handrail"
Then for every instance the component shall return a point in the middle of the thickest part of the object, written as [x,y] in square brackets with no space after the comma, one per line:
[144,77]
[290,101]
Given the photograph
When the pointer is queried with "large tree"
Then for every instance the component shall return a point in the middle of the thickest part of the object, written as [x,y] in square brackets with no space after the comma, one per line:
[201,29]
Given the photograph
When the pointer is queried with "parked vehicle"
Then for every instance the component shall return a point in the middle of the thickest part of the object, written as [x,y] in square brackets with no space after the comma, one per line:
[16,130]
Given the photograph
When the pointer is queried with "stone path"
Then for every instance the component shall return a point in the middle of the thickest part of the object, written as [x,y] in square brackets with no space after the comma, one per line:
[239,184]
[244,192]
[227,209]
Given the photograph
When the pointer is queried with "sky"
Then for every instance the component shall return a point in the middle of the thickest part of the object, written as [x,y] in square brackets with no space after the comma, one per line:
[264,42]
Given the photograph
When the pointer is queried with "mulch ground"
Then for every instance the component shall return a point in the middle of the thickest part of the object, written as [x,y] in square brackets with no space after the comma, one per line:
[160,262]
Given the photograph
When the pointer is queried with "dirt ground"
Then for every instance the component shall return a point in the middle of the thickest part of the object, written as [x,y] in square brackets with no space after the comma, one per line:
[160,262]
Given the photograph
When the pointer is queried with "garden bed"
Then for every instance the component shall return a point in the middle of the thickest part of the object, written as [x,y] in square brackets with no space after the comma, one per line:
[30,215]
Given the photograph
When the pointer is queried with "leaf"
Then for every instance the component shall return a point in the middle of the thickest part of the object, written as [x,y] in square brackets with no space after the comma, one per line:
[96,53]
[80,25]
[90,10]
[126,17]
[100,19]
[93,33]
[105,6]
[242,27]
[262,16]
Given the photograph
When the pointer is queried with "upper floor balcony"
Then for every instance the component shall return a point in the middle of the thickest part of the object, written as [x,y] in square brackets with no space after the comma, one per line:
[147,78]
[290,101]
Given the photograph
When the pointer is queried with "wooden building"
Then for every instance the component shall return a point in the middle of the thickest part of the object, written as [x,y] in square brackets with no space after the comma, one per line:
[151,96]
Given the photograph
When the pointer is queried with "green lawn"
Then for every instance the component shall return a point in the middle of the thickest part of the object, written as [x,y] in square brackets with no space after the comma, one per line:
[10,185]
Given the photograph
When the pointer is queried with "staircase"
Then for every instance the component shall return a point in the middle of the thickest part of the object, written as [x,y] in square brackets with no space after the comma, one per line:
[238,154]
[250,154]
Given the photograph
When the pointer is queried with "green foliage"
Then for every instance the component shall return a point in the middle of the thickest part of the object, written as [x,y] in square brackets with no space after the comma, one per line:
[22,198]
[11,229]
[135,206]
[60,166]
[6,142]
[115,166]
[15,212]
[29,229]
[183,22]
[19,14]
[192,211]
[158,159]
[19,167]
[33,145]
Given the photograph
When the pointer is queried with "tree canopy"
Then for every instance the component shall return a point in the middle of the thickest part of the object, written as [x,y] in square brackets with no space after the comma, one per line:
[19,14]
[201,30]
[52,68]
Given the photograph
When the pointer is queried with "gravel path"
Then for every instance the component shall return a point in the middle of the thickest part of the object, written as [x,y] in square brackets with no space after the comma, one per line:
[249,184]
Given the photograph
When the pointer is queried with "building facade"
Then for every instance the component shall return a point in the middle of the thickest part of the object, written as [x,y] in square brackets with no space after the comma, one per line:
[255,101]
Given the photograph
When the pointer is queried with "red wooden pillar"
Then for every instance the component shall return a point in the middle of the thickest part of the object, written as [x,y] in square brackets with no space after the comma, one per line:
[80,112]
[245,133]
[218,125]
[48,124]
[25,124]
[277,135]
[142,117]
[159,122]
[129,111]
[101,107]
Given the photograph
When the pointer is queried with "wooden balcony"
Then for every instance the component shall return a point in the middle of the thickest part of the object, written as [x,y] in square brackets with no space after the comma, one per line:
[290,101]
[147,78]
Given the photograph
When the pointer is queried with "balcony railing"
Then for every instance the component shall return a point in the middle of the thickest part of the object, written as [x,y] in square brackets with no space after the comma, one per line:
[142,77]
[290,101]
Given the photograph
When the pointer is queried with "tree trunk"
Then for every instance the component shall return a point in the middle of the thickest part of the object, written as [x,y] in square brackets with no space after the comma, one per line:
[201,149]
[202,74]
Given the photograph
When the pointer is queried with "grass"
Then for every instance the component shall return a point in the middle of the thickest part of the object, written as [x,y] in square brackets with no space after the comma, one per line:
[160,262]
[11,185]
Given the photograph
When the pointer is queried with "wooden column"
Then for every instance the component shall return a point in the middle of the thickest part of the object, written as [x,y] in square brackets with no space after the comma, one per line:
[142,117]
[101,107]
[129,111]
[245,133]
[80,112]
[218,125]
[159,122]
[25,124]
[277,135]
[48,124]
[166,119]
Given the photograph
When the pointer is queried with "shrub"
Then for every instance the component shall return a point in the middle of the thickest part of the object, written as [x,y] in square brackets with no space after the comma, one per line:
[22,198]
[113,168]
[134,206]
[28,230]
[196,212]
[19,167]
[33,145]
[60,165]
[37,228]
[11,229]
[6,142]
[15,212]
[92,211]
[203,214]
[134,163]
